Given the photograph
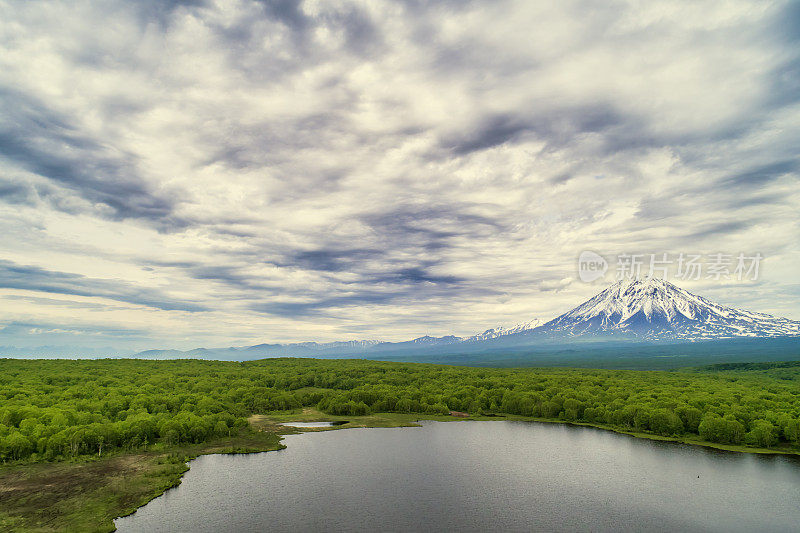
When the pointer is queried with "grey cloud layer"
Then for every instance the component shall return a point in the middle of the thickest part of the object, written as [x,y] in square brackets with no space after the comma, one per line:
[305,169]
[46,144]
[32,278]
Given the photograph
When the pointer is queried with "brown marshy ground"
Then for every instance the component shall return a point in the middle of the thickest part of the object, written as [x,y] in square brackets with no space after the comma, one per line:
[86,495]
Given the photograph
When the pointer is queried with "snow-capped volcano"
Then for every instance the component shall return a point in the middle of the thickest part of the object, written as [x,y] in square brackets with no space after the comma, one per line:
[656,309]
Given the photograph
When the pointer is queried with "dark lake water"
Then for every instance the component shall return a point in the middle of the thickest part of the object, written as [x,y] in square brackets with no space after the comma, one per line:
[479,476]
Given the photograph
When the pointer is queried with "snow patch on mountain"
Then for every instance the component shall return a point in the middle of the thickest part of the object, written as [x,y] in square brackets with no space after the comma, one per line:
[363,344]
[427,340]
[501,331]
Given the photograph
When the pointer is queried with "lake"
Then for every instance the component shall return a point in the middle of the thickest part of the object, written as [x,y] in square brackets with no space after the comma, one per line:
[309,424]
[479,476]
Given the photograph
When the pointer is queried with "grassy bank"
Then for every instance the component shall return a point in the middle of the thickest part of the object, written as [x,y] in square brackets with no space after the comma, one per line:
[272,421]
[87,494]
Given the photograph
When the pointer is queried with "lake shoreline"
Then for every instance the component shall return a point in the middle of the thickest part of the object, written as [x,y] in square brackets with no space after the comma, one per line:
[504,440]
[399,420]
[268,437]
[409,419]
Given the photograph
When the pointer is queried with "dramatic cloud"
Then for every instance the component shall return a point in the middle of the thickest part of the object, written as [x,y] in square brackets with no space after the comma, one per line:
[185,173]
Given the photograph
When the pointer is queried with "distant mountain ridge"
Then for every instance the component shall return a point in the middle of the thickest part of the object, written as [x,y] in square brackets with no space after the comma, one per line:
[648,310]
[353,348]
[500,331]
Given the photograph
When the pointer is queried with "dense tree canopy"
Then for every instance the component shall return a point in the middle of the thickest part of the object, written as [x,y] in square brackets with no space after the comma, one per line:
[52,409]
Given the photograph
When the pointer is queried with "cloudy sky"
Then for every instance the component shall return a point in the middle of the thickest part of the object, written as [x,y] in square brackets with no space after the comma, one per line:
[183,174]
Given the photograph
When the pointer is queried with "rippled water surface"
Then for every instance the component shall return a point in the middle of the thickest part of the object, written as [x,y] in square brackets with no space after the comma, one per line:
[479,476]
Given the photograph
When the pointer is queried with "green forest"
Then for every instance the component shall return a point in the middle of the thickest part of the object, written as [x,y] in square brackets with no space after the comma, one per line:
[53,410]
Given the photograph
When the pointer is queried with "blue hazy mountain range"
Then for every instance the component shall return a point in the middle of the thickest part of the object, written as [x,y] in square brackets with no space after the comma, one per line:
[650,311]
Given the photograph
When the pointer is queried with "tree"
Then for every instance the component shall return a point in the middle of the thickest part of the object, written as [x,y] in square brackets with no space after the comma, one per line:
[221,429]
[572,409]
[792,431]
[404,405]
[763,433]
[721,430]
[16,446]
[665,422]
[690,417]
